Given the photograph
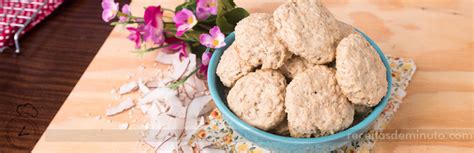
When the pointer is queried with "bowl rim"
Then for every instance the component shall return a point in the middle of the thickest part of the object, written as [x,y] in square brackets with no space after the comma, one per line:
[212,83]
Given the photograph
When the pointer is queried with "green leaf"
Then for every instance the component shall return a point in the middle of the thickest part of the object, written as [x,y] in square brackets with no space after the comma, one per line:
[228,15]
[170,27]
[201,28]
[211,20]
[194,34]
[198,49]
[225,4]
[190,5]
[228,20]
[224,25]
[235,15]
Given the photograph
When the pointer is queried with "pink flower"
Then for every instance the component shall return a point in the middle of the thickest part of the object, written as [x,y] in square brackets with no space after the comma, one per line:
[110,9]
[153,34]
[125,10]
[153,15]
[206,57]
[135,35]
[154,25]
[184,20]
[177,45]
[214,40]
[205,8]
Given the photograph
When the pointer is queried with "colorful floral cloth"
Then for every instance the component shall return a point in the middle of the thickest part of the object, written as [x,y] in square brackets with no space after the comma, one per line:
[217,134]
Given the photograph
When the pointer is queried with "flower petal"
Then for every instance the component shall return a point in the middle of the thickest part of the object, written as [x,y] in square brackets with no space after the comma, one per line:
[220,44]
[107,15]
[107,4]
[213,10]
[110,9]
[202,14]
[135,35]
[206,57]
[184,20]
[153,15]
[154,34]
[206,40]
[203,70]
[126,9]
[180,33]
[205,8]
[216,33]
[184,50]
[179,18]
[218,37]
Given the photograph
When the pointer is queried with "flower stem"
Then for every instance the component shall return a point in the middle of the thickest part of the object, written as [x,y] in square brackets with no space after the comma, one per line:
[187,37]
[153,48]
[128,22]
[126,15]
[204,26]
[167,9]
[179,82]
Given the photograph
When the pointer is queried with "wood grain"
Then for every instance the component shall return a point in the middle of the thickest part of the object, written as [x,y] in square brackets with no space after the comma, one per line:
[54,56]
[437,34]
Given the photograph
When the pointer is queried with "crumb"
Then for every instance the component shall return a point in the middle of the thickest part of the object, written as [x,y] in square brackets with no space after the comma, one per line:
[130,75]
[113,91]
[141,68]
[123,126]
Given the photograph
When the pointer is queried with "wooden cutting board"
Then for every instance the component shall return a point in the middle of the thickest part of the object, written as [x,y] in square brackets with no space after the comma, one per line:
[437,34]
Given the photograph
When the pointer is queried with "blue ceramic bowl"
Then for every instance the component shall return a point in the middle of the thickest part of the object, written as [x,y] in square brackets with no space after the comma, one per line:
[288,144]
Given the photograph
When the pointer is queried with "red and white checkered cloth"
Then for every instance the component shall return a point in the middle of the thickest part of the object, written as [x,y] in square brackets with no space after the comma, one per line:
[16,12]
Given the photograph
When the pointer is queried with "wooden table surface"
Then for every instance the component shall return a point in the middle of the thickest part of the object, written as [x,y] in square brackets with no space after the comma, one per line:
[54,55]
[437,34]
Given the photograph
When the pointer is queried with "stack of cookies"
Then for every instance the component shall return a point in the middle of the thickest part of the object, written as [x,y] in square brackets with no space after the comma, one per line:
[300,71]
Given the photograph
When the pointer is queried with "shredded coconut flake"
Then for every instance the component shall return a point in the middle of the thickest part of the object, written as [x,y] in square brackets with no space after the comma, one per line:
[141,86]
[127,104]
[123,126]
[179,67]
[172,116]
[129,87]
[164,58]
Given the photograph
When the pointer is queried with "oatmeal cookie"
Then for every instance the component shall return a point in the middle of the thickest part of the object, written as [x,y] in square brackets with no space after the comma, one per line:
[231,67]
[258,98]
[360,71]
[258,45]
[308,29]
[281,129]
[344,30]
[315,105]
[294,66]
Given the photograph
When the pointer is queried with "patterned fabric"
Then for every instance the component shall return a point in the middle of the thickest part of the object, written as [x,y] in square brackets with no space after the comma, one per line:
[17,12]
[218,134]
